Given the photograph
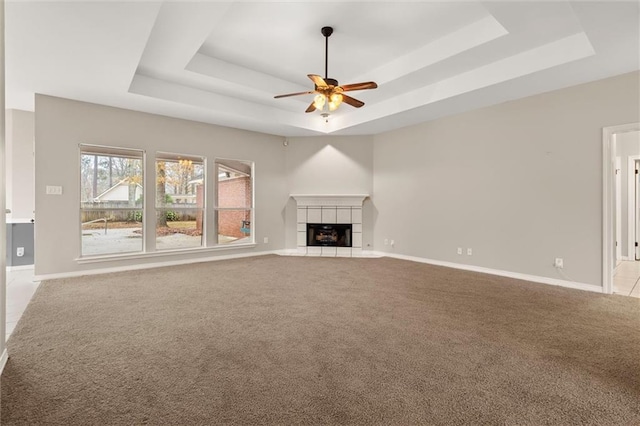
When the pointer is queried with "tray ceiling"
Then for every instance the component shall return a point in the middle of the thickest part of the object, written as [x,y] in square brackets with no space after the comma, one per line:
[222,62]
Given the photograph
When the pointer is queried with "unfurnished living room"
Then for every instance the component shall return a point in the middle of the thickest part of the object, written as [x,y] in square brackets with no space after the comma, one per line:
[305,212]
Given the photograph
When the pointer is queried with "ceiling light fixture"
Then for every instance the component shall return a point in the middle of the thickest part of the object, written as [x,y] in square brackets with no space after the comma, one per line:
[329,93]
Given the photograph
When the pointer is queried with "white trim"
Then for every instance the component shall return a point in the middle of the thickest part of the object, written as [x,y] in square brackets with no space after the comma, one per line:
[608,231]
[480,269]
[162,253]
[509,274]
[147,266]
[19,268]
[3,360]
[365,254]
[618,186]
[307,200]
[18,220]
[296,252]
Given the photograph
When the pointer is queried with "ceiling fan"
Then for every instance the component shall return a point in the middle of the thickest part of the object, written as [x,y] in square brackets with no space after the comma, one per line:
[328,92]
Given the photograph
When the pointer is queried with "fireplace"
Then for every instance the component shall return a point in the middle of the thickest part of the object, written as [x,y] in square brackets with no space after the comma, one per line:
[329,224]
[329,235]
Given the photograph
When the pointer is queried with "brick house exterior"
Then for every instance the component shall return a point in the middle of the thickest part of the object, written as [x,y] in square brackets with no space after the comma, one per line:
[234,192]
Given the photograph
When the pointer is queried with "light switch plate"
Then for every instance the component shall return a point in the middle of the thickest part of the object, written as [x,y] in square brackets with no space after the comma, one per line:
[54,190]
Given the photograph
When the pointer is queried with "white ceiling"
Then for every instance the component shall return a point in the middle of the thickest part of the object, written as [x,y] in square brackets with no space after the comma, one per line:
[223,62]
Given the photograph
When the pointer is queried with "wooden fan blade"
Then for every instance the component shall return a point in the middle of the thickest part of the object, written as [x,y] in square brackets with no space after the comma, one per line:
[352,101]
[293,94]
[317,80]
[311,108]
[359,86]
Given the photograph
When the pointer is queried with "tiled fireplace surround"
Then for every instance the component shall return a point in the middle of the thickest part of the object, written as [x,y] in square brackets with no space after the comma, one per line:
[330,209]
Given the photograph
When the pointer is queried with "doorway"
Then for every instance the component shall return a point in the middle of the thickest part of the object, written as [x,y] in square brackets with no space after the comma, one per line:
[615,144]
[626,276]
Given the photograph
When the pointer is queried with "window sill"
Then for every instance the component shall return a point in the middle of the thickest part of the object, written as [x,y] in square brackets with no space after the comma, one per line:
[163,253]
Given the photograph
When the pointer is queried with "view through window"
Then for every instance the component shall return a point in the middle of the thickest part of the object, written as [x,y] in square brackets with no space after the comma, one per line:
[234,201]
[111,209]
[180,190]
[112,201]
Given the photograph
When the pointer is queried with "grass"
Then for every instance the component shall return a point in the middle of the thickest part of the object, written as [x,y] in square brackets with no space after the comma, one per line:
[190,224]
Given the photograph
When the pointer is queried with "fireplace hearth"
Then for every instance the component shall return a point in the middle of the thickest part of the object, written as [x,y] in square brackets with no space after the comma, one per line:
[329,235]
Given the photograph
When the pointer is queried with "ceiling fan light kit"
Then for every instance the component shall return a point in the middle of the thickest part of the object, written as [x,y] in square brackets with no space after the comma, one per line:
[329,93]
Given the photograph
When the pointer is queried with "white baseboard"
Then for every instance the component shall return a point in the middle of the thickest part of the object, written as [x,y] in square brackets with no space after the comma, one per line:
[3,359]
[148,266]
[19,268]
[516,275]
[365,254]
[289,252]
[295,252]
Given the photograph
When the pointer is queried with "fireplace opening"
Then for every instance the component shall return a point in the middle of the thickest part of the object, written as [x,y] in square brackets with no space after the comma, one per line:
[328,235]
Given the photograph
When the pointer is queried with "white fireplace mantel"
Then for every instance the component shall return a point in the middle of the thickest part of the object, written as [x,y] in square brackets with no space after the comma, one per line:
[329,209]
[319,200]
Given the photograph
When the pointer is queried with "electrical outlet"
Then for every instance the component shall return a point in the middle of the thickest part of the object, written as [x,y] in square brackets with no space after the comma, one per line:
[469,252]
[266,240]
[393,243]
[459,250]
[559,263]
[20,252]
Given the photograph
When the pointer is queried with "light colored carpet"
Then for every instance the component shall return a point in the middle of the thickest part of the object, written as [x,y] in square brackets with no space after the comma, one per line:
[291,340]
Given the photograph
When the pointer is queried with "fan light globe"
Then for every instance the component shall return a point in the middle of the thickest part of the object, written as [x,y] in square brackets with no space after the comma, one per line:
[327,90]
[335,101]
[319,101]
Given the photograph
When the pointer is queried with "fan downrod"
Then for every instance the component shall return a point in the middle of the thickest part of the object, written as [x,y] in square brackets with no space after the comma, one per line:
[326,32]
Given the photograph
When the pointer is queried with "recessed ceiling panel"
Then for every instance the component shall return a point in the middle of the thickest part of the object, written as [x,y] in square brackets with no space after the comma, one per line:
[284,39]
[223,62]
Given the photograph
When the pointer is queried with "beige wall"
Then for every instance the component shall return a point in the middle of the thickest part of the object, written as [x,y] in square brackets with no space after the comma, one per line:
[20,165]
[520,183]
[330,165]
[61,125]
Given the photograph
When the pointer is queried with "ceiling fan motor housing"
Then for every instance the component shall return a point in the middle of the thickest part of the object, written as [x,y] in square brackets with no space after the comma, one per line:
[328,91]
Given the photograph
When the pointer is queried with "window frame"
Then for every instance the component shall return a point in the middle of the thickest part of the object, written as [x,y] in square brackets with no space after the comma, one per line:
[217,162]
[175,157]
[110,151]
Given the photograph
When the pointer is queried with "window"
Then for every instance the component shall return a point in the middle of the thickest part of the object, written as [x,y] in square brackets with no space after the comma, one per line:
[111,208]
[234,201]
[180,190]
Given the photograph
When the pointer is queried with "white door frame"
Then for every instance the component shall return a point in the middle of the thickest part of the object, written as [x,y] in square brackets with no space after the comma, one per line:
[618,186]
[608,200]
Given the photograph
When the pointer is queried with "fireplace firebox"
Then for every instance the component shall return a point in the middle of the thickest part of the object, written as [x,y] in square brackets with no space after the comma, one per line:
[328,235]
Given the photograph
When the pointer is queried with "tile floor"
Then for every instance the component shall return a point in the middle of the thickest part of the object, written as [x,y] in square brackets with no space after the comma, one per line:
[20,288]
[626,279]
